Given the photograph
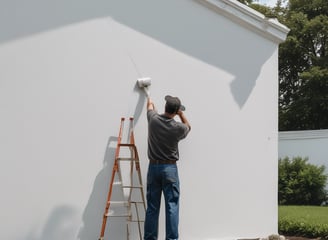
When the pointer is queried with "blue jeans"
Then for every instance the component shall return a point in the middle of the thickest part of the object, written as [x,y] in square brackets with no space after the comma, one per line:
[162,178]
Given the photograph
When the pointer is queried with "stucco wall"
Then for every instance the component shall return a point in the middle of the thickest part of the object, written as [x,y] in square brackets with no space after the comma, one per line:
[67,77]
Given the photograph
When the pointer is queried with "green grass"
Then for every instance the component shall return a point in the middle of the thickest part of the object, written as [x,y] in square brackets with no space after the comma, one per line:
[306,213]
[307,221]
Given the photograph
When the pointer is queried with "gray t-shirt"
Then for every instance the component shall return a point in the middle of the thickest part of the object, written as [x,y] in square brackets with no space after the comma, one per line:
[164,135]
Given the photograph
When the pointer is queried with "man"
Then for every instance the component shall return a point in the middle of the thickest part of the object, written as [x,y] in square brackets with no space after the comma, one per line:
[164,134]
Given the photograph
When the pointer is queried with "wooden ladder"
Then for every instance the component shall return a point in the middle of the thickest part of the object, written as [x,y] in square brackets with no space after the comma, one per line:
[131,203]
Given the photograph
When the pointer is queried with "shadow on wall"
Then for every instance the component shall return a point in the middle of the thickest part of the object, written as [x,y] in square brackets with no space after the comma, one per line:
[61,224]
[140,104]
[93,213]
[228,49]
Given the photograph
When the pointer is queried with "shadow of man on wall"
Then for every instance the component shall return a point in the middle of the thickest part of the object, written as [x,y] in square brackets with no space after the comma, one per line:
[93,213]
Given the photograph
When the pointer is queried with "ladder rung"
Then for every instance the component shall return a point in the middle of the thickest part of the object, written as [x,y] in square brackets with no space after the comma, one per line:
[128,208]
[126,186]
[120,215]
[127,159]
[117,183]
[136,202]
[126,203]
[126,145]
[131,186]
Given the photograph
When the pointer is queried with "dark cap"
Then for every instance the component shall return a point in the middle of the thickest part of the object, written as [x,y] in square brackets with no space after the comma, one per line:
[173,104]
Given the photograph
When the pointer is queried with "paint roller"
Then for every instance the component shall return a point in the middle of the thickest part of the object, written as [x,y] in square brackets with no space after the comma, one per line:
[144,83]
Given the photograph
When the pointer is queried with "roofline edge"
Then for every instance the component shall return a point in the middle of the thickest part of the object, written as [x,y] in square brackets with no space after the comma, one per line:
[250,18]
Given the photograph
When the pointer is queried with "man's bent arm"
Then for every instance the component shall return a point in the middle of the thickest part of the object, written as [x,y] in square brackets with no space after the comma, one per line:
[184,119]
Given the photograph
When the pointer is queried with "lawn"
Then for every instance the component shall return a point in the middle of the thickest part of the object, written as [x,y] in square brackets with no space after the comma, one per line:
[307,221]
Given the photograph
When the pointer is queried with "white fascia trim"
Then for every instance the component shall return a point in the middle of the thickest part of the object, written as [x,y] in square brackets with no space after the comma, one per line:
[307,134]
[246,16]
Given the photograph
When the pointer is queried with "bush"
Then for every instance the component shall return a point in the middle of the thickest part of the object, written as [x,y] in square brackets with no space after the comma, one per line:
[304,221]
[301,183]
[298,228]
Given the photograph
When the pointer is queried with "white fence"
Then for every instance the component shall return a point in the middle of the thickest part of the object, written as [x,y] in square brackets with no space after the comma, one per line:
[311,144]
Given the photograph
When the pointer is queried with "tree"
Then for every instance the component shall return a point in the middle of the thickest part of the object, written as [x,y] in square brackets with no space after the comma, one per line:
[265,10]
[303,63]
[301,183]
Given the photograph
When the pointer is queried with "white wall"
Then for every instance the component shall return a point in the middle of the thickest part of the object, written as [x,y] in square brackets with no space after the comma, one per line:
[67,78]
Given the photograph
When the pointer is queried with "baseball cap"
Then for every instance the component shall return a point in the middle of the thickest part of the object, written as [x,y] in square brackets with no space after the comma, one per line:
[173,104]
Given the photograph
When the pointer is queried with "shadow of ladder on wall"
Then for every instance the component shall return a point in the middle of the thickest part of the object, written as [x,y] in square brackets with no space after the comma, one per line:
[129,196]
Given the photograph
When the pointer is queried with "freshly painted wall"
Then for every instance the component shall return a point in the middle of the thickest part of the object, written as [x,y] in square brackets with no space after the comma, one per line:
[68,74]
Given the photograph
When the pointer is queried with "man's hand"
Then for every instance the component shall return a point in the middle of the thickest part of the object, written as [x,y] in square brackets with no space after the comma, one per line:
[183,118]
[150,104]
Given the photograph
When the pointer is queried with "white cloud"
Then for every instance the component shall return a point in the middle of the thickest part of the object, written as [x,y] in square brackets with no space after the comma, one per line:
[270,3]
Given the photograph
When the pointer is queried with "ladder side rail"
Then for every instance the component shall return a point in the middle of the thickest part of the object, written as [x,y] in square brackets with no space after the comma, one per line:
[115,169]
[119,139]
[140,179]
[131,131]
[132,155]
[107,204]
[135,156]
[135,183]
[138,220]
[131,141]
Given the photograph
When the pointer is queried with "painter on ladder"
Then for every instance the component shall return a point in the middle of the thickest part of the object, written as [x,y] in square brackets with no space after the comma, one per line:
[164,134]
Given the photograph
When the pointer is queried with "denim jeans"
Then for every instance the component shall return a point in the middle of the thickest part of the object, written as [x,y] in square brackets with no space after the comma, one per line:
[162,178]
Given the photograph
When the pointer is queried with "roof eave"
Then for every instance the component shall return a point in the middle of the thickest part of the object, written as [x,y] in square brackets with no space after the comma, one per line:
[267,27]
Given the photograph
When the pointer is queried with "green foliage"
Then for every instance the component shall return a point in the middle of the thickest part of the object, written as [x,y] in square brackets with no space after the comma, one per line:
[310,108]
[306,221]
[311,8]
[276,12]
[265,10]
[301,183]
[303,62]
